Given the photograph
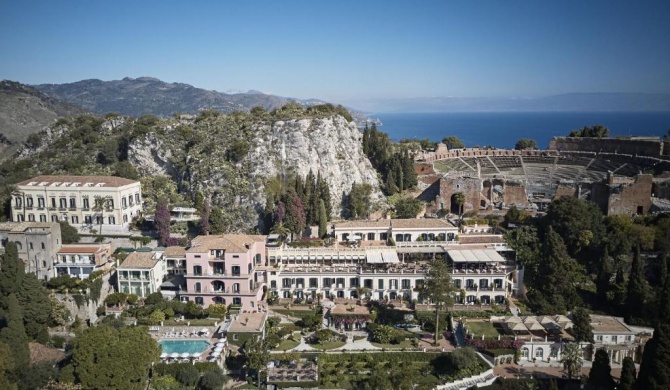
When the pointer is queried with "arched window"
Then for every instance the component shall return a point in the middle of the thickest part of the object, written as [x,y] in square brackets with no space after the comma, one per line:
[539,353]
[554,352]
[236,287]
[524,352]
[218,286]
[18,245]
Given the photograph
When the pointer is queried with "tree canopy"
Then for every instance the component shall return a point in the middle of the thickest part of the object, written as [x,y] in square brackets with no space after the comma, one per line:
[439,289]
[102,356]
[595,131]
[453,142]
[525,144]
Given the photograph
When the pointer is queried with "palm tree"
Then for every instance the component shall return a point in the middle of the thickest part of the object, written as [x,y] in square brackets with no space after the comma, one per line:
[571,358]
[280,229]
[459,198]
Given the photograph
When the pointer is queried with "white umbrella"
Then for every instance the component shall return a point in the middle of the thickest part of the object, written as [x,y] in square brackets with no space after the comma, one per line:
[164,355]
[174,355]
[185,354]
[218,349]
[215,354]
[204,330]
[220,343]
[197,354]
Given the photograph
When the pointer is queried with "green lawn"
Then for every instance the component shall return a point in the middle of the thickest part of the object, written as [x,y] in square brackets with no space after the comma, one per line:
[328,345]
[404,344]
[483,327]
[286,345]
[297,313]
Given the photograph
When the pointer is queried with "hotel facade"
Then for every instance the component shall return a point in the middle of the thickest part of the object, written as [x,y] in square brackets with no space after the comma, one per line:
[105,203]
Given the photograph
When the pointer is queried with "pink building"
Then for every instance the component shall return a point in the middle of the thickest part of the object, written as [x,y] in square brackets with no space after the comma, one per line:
[222,269]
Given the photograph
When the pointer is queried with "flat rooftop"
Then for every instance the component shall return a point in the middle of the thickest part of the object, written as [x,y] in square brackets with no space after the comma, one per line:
[77,181]
[607,324]
[426,223]
[248,322]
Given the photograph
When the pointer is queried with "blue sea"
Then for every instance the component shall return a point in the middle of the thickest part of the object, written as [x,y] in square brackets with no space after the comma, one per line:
[503,129]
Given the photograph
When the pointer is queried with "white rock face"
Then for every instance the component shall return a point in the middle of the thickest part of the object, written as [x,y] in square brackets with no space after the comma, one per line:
[150,156]
[331,146]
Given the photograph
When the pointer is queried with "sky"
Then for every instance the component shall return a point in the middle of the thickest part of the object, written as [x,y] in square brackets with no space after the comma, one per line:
[346,51]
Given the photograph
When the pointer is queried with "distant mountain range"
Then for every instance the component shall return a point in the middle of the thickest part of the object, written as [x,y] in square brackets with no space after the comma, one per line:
[25,110]
[148,95]
[580,102]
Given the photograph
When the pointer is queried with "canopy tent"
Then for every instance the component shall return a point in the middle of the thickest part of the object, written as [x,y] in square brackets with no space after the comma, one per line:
[382,257]
[513,319]
[547,320]
[530,320]
[534,326]
[475,256]
[517,327]
[566,324]
[561,318]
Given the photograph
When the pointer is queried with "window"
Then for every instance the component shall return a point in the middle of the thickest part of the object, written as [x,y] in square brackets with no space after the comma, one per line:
[30,245]
[236,287]
[367,283]
[130,200]
[87,219]
[73,203]
[43,218]
[524,352]
[53,202]
[29,202]
[63,203]
[314,282]
[273,284]
[371,236]
[236,256]
[398,238]
[406,283]
[340,282]
[85,200]
[125,218]
[31,217]
[40,202]
[137,198]
[199,301]
[43,247]
[353,282]
[380,284]
[599,338]
[18,201]
[554,352]
[198,288]
[75,219]
[112,220]
[54,218]
[327,282]
[286,283]
[123,203]
[236,270]
[98,220]
[20,218]
[629,338]
[197,270]
[383,236]
[237,301]
[539,353]
[110,203]
[393,284]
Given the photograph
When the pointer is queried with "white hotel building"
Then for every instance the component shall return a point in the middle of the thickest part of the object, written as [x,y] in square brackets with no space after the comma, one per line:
[392,272]
[106,203]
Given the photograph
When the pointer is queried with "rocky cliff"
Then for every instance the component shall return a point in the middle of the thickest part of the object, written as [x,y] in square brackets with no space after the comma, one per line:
[198,157]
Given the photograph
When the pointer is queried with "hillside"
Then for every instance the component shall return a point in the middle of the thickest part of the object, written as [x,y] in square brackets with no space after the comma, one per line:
[25,110]
[151,96]
[234,160]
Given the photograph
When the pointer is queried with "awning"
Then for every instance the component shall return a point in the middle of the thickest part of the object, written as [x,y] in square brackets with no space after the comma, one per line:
[475,256]
[382,257]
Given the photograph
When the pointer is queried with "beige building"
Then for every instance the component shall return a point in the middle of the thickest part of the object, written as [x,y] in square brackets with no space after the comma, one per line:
[79,260]
[37,244]
[141,273]
[105,203]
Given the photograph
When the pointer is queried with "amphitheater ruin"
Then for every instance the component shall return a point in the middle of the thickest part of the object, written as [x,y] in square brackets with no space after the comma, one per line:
[622,175]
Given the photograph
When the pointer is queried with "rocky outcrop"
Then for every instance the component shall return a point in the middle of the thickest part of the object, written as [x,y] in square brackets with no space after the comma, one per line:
[151,156]
[331,146]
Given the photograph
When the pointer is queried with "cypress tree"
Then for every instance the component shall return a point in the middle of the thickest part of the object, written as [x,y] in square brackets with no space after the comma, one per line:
[162,221]
[14,334]
[13,271]
[36,306]
[627,381]
[323,219]
[204,218]
[636,293]
[604,276]
[409,175]
[655,367]
[600,376]
[324,193]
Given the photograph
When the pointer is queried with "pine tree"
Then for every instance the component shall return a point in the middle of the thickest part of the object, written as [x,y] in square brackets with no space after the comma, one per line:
[636,293]
[582,329]
[655,367]
[628,374]
[323,219]
[162,221]
[600,376]
[391,186]
[556,274]
[14,334]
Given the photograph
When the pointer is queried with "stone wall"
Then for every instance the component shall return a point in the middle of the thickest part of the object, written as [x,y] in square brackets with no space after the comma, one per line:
[88,309]
[651,147]
[471,187]
[629,199]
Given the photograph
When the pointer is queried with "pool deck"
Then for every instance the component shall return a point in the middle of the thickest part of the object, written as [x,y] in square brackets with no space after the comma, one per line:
[191,333]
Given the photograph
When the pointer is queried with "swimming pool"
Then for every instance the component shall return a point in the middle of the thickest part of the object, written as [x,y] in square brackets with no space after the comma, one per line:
[181,346]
